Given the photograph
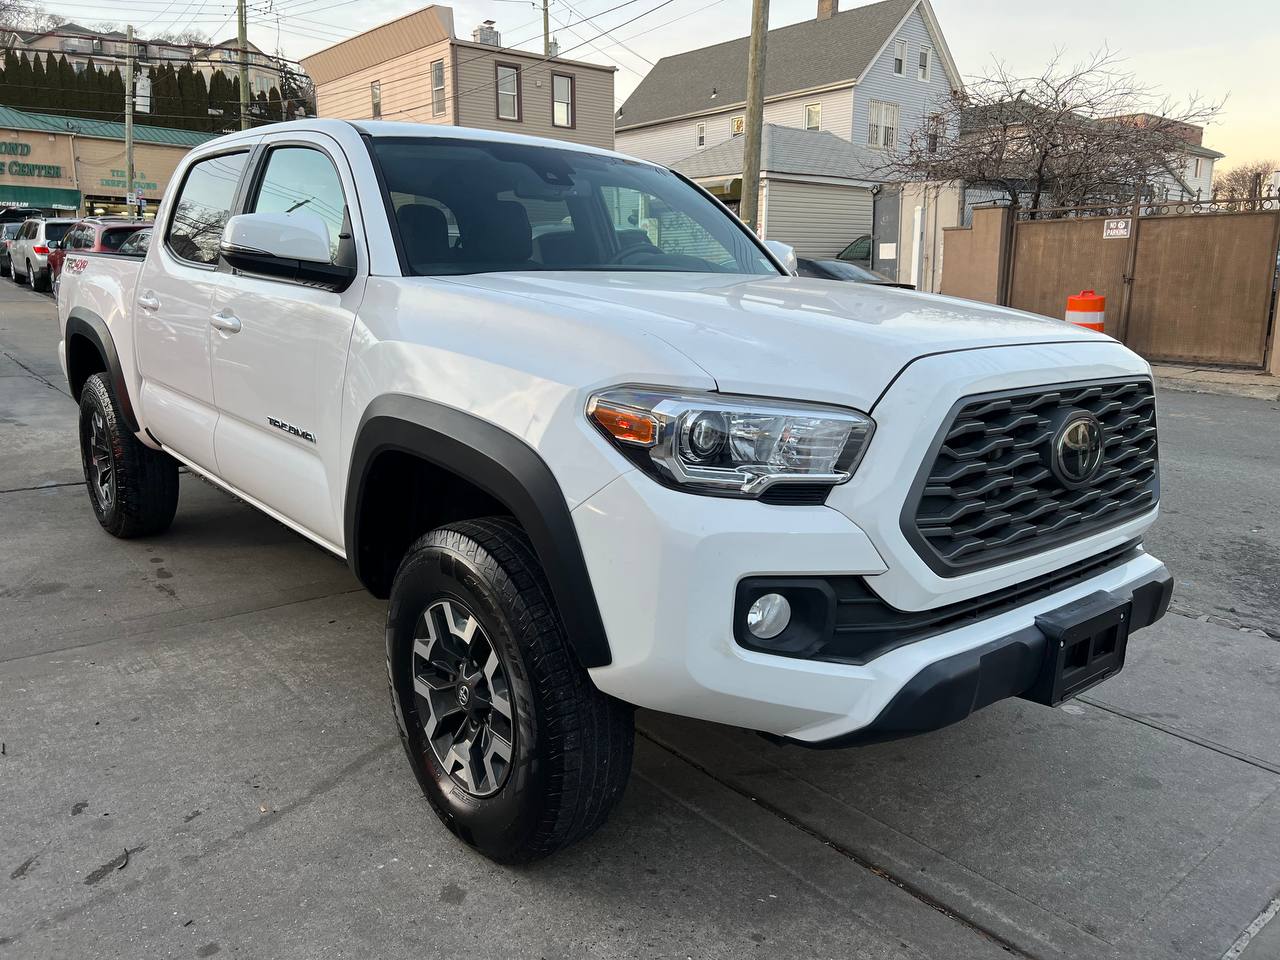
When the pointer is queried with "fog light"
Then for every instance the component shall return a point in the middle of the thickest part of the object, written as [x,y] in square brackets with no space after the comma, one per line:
[769,616]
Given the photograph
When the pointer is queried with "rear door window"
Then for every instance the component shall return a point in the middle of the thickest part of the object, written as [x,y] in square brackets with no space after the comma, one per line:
[203,207]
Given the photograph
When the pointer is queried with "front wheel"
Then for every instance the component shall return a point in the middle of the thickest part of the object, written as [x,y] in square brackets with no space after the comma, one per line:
[133,489]
[516,750]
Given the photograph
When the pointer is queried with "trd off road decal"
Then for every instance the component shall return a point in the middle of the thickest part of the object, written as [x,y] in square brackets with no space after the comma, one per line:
[290,428]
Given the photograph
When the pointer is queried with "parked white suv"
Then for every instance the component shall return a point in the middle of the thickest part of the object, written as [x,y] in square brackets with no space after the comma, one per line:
[29,251]
[601,450]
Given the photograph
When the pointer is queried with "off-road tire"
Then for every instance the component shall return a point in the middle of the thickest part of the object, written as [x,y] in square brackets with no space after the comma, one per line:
[573,744]
[145,486]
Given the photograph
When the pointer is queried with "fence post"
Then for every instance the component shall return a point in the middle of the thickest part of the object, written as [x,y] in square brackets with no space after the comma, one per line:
[1004,275]
[1131,262]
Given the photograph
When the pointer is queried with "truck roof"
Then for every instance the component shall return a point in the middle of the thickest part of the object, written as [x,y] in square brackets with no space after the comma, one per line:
[393,128]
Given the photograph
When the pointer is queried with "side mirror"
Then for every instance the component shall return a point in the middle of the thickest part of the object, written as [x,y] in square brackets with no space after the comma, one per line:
[784,253]
[289,246]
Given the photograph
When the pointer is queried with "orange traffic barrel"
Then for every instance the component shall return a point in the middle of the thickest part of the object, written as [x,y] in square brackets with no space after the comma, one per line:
[1087,309]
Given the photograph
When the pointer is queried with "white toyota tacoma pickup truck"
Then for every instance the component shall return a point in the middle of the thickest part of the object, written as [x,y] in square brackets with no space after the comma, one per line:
[600,450]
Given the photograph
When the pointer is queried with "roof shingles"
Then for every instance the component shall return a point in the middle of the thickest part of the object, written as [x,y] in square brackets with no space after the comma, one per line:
[812,153]
[802,56]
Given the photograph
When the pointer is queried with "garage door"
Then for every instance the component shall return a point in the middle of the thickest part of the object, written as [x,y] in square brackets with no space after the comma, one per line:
[818,219]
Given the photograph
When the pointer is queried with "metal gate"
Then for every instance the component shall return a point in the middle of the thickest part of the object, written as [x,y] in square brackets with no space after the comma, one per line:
[1185,282]
[886,208]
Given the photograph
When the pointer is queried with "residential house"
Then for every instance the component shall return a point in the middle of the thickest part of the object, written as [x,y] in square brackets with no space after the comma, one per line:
[263,70]
[107,49]
[1190,176]
[841,91]
[414,68]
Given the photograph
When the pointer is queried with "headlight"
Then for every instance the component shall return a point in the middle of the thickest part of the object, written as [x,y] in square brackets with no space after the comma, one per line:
[736,446]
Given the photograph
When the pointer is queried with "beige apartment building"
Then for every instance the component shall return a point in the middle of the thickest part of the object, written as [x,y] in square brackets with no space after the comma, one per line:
[415,69]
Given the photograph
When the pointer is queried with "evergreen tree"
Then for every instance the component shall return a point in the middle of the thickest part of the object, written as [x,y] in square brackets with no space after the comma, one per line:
[68,81]
[23,94]
[200,103]
[39,89]
[275,110]
[56,96]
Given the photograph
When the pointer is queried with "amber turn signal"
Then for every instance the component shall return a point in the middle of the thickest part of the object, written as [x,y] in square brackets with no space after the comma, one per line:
[625,425]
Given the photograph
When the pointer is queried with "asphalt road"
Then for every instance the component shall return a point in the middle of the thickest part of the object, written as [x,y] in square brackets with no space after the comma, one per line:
[199,759]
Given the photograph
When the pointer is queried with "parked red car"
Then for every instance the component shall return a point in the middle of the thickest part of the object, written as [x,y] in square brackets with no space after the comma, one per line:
[91,235]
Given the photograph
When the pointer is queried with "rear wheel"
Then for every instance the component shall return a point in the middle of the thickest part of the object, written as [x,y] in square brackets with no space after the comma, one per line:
[31,277]
[517,751]
[133,489]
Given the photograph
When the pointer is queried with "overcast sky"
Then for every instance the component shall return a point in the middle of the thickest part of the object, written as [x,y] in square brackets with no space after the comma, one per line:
[1229,49]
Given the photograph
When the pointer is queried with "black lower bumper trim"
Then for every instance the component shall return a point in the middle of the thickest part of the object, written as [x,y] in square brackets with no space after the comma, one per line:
[949,690]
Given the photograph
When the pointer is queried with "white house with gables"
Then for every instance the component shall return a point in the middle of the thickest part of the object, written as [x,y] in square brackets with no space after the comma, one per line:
[841,91]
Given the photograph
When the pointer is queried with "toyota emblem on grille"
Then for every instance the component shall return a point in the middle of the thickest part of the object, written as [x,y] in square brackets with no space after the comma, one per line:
[1078,449]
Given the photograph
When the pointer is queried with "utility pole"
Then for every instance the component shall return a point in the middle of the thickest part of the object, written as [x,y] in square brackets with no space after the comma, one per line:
[748,210]
[242,35]
[546,28]
[128,122]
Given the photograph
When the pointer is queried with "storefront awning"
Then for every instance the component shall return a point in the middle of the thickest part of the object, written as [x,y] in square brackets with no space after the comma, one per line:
[42,198]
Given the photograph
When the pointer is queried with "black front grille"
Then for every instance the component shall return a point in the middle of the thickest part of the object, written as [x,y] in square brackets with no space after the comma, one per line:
[988,493]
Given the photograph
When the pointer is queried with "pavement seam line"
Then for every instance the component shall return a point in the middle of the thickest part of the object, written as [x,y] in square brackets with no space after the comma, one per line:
[192,618]
[44,486]
[1212,745]
[1251,931]
[761,852]
[45,380]
[831,843]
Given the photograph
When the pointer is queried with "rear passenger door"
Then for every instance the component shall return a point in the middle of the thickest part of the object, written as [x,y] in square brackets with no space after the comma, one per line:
[278,378]
[174,305]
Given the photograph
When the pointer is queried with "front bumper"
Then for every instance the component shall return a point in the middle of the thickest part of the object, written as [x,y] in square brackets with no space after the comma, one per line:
[948,690]
[665,566]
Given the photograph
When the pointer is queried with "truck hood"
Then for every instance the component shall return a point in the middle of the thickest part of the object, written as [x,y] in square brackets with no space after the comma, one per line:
[783,336]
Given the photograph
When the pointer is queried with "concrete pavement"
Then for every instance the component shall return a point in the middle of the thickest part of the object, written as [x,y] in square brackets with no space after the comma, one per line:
[213,702]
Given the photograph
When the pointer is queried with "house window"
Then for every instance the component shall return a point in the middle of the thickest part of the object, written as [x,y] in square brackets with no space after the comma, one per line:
[882,124]
[508,77]
[813,116]
[700,135]
[931,142]
[738,126]
[437,87]
[899,56]
[926,58]
[375,99]
[562,100]
[1199,167]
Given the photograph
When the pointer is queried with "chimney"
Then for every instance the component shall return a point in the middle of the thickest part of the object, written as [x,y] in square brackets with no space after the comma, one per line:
[827,9]
[487,33]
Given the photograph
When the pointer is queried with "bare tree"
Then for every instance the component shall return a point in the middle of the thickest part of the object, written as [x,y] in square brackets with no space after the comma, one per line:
[1244,180]
[188,37]
[1072,135]
[18,15]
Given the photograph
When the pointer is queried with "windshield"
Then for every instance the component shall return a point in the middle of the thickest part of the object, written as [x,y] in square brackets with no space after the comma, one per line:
[467,206]
[10,230]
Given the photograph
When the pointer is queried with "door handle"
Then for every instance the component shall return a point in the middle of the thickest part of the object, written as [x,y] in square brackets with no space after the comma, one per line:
[149,302]
[225,322]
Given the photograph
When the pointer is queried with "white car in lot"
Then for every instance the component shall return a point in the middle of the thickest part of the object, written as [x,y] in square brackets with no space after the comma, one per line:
[600,449]
[29,250]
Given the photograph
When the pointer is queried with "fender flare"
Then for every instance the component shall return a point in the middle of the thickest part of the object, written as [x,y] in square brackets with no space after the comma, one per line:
[504,467]
[87,324]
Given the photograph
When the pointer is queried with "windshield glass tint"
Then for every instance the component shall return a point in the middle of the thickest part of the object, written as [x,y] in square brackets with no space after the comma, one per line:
[476,207]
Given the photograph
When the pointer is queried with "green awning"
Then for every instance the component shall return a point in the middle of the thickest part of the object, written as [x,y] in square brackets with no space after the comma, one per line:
[42,198]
